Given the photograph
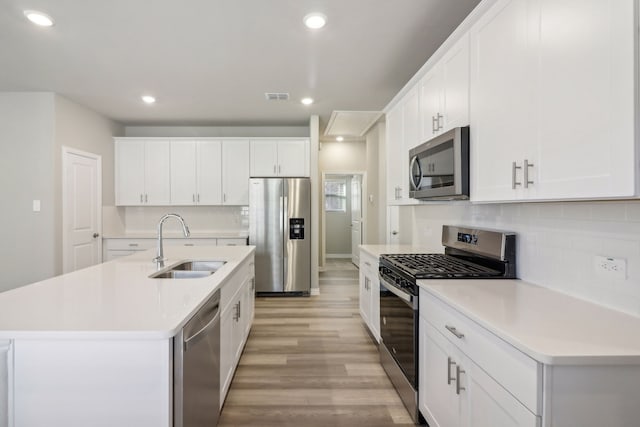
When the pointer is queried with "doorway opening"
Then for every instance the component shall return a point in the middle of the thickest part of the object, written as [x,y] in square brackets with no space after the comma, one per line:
[343,216]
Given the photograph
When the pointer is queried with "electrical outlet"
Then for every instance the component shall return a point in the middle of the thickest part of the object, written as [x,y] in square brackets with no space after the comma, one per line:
[612,268]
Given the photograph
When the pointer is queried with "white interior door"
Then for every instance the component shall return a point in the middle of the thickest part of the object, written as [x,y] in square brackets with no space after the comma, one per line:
[82,210]
[356,218]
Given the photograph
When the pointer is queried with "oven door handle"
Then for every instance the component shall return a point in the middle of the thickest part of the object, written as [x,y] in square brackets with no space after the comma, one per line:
[408,298]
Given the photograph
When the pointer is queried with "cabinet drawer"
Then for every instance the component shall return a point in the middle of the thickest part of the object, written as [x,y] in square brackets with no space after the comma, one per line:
[190,242]
[368,264]
[232,242]
[130,244]
[516,372]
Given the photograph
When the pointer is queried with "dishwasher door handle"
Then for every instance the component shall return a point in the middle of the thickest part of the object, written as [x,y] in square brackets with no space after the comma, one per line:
[202,332]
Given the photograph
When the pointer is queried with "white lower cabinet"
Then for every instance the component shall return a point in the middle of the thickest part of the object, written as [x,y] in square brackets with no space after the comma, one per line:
[455,391]
[237,303]
[370,293]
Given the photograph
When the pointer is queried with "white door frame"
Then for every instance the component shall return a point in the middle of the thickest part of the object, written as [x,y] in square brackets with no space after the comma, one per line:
[323,251]
[66,216]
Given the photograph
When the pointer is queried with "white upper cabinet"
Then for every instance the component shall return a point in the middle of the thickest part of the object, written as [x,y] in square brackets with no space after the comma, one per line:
[444,92]
[552,100]
[142,173]
[396,184]
[196,177]
[280,158]
[235,172]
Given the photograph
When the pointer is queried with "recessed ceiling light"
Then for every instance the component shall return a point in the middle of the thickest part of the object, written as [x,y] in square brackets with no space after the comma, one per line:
[148,99]
[39,18]
[307,101]
[339,138]
[315,21]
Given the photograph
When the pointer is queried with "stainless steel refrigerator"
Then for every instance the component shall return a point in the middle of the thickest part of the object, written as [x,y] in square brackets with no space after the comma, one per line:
[280,229]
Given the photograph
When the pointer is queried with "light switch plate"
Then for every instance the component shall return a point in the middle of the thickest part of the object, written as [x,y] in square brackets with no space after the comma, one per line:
[36,205]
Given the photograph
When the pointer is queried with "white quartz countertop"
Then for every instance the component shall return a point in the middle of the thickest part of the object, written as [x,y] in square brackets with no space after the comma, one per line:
[550,327]
[377,250]
[238,234]
[116,299]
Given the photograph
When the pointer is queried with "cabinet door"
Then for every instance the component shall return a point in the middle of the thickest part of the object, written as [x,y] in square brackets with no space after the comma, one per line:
[586,116]
[293,158]
[503,98]
[438,401]
[488,404]
[430,100]
[394,158]
[129,161]
[183,173]
[412,125]
[227,321]
[235,172]
[157,172]
[364,296]
[264,158]
[374,319]
[455,85]
[209,167]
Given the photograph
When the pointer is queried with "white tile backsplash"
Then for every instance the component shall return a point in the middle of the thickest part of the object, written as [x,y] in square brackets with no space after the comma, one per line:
[557,243]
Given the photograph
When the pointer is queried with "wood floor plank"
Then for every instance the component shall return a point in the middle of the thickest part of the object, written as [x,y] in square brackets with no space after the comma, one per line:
[311,362]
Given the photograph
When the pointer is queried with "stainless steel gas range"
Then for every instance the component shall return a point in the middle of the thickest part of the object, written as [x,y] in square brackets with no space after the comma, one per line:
[469,253]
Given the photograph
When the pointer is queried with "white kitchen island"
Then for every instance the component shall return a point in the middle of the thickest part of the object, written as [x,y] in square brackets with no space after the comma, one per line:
[95,347]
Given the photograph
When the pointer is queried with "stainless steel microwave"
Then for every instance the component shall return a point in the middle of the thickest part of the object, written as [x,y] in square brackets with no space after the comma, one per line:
[439,168]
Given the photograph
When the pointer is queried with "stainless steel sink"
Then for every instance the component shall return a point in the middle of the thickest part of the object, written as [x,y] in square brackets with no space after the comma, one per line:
[199,265]
[180,274]
[189,270]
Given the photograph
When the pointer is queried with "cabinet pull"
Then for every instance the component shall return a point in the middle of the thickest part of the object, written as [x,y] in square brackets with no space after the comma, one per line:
[449,364]
[141,200]
[146,198]
[188,244]
[274,169]
[279,168]
[198,198]
[193,198]
[454,331]
[224,197]
[367,263]
[133,244]
[438,117]
[239,312]
[514,183]
[525,171]
[235,315]
[434,121]
[459,388]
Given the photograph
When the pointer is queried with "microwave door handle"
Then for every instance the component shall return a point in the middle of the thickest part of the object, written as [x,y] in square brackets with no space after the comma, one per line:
[415,161]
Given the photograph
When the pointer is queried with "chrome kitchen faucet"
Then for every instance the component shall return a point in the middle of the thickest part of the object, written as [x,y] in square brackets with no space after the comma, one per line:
[159,260]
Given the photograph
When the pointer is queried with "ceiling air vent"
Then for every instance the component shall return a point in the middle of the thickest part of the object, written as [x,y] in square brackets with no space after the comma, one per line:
[276,96]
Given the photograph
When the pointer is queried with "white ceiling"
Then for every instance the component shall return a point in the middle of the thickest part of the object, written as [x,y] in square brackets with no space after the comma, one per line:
[209,62]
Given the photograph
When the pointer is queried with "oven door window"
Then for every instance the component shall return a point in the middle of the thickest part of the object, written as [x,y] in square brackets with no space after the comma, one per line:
[398,329]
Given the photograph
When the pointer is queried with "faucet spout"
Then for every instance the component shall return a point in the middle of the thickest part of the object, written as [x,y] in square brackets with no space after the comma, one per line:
[159,259]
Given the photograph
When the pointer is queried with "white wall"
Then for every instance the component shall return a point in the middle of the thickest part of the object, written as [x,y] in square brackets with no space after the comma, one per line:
[557,243]
[198,218]
[372,199]
[33,128]
[27,238]
[217,131]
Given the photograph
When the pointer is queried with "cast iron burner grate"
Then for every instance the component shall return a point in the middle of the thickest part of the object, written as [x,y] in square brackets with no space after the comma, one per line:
[427,266]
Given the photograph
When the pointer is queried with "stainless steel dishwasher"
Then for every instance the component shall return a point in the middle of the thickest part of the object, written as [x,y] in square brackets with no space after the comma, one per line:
[196,371]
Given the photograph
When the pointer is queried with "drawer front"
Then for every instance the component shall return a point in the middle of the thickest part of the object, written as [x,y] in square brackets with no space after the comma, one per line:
[515,371]
[233,285]
[116,253]
[130,244]
[368,264]
[232,242]
[190,242]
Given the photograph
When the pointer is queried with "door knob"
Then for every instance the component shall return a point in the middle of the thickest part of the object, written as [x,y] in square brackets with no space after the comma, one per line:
[95,235]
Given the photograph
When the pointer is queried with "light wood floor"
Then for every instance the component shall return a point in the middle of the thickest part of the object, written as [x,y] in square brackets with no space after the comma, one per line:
[310,362]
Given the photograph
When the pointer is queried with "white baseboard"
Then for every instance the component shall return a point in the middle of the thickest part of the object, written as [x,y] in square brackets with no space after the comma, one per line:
[315,291]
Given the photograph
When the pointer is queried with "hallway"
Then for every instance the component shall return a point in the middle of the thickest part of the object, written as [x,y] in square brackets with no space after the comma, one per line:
[310,362]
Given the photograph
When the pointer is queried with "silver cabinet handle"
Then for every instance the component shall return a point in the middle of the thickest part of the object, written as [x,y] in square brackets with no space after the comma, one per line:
[514,183]
[239,312]
[224,197]
[189,244]
[434,123]
[235,308]
[438,117]
[133,244]
[198,197]
[454,331]
[525,171]
[367,263]
[146,198]
[193,198]
[274,169]
[279,168]
[459,388]
[141,200]
[450,363]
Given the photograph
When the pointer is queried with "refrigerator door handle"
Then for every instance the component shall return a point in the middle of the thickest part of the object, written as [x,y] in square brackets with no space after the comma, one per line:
[285,243]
